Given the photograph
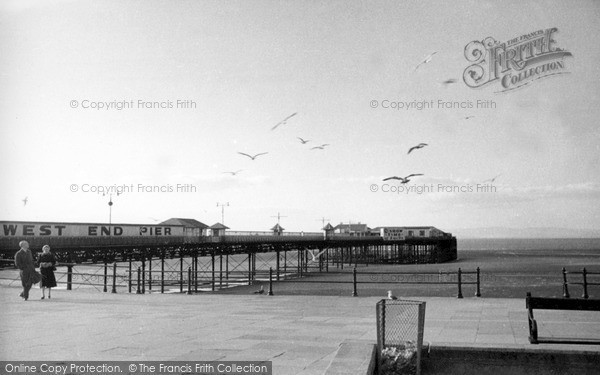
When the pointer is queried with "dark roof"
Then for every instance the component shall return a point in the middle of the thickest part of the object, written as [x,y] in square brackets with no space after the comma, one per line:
[328,227]
[218,226]
[188,223]
[277,227]
[353,227]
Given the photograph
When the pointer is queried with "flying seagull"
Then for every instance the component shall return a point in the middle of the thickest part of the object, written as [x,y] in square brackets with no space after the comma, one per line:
[468,117]
[420,145]
[236,172]
[24,201]
[427,59]
[449,81]
[390,295]
[253,157]
[304,141]
[315,256]
[321,147]
[260,291]
[284,121]
[403,180]
[491,180]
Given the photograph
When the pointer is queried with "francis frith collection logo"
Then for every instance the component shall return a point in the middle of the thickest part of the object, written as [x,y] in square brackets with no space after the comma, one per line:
[515,63]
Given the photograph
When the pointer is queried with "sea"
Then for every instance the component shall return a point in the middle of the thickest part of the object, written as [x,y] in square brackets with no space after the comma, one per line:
[513,244]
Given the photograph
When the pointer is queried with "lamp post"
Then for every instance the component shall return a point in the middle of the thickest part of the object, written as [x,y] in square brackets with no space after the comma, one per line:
[110,204]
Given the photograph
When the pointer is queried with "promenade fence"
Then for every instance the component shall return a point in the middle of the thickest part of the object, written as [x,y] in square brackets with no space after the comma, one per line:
[135,277]
[584,281]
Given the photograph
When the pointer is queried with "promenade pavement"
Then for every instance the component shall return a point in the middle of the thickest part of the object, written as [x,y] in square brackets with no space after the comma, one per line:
[299,334]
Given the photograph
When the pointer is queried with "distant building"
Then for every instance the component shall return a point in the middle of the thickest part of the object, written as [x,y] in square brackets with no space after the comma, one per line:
[218,230]
[192,227]
[359,230]
[401,233]
[277,230]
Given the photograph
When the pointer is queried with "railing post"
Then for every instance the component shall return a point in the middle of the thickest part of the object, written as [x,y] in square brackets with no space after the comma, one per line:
[139,281]
[69,276]
[180,272]
[105,289]
[130,275]
[114,286]
[460,295]
[150,272]
[277,264]
[143,273]
[478,292]
[162,271]
[212,257]
[195,271]
[585,285]
[270,281]
[189,291]
[565,284]
[354,293]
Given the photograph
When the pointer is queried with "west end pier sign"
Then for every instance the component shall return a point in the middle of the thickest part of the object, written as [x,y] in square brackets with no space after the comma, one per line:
[515,63]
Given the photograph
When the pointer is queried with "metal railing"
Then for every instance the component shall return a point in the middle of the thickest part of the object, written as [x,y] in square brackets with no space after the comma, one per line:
[584,283]
[398,278]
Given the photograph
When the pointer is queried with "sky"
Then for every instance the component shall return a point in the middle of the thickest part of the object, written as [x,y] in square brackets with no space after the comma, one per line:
[238,68]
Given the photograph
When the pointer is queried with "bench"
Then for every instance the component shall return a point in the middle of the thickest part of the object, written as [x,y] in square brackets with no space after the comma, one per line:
[558,304]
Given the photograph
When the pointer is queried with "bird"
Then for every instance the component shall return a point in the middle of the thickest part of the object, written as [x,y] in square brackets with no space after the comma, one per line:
[253,157]
[151,218]
[468,117]
[236,172]
[426,60]
[315,256]
[420,145]
[284,121]
[403,180]
[491,180]
[304,141]
[321,147]
[260,291]
[390,295]
[25,201]
[449,81]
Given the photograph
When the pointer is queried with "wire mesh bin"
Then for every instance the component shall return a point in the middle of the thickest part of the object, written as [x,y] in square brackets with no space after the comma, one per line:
[400,326]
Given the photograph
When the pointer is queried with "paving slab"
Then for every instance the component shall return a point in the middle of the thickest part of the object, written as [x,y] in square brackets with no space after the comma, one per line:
[299,334]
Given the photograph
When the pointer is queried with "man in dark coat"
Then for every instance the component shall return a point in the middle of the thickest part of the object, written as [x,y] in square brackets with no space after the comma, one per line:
[24,262]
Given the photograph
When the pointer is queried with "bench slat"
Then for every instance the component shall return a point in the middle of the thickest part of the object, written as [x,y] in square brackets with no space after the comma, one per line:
[563,304]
